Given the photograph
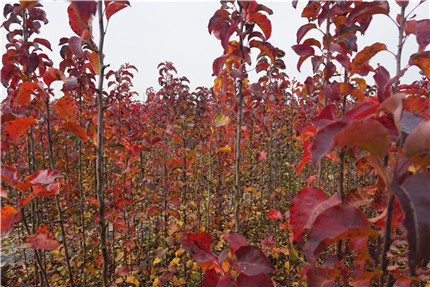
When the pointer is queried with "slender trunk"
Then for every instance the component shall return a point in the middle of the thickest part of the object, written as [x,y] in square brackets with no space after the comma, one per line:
[237,194]
[100,150]
[57,197]
[208,200]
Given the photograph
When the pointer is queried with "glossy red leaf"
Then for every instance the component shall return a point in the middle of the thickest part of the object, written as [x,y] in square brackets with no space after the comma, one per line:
[261,280]
[414,200]
[326,116]
[52,75]
[114,6]
[75,129]
[360,112]
[317,277]
[321,207]
[211,278]
[311,10]
[252,261]
[67,108]
[198,245]
[382,77]
[336,222]
[19,126]
[235,240]
[123,271]
[302,207]
[366,134]
[324,141]
[274,214]
[44,176]
[306,156]
[43,239]
[9,175]
[8,216]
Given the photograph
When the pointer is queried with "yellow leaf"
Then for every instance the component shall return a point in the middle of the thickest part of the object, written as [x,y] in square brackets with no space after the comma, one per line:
[175,261]
[133,280]
[287,265]
[156,261]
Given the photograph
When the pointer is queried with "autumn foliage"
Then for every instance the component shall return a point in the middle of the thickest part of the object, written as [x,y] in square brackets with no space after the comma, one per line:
[267,183]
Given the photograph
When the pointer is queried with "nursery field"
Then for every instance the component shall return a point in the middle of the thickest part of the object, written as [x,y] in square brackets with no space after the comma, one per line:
[252,181]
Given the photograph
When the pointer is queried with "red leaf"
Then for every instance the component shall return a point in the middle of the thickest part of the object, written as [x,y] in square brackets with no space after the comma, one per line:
[211,278]
[155,210]
[261,156]
[336,222]
[263,22]
[75,45]
[302,207]
[414,199]
[44,176]
[52,75]
[19,126]
[114,6]
[367,9]
[301,32]
[366,134]
[9,175]
[252,261]
[123,271]
[323,141]
[235,240]
[303,50]
[327,116]
[332,91]
[75,129]
[360,112]
[317,277]
[417,144]
[423,33]
[261,280]
[274,214]
[8,216]
[198,245]
[46,191]
[80,13]
[43,239]
[320,208]
[67,108]
[43,42]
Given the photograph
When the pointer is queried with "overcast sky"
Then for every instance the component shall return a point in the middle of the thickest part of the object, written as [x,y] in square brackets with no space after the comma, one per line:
[148,33]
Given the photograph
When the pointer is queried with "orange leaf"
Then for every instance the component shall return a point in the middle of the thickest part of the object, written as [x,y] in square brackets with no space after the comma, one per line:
[43,239]
[52,75]
[424,64]
[8,215]
[114,6]
[25,89]
[75,129]
[360,64]
[94,61]
[19,126]
[67,108]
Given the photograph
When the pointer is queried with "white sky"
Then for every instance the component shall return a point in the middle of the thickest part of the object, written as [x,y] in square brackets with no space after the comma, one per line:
[152,32]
